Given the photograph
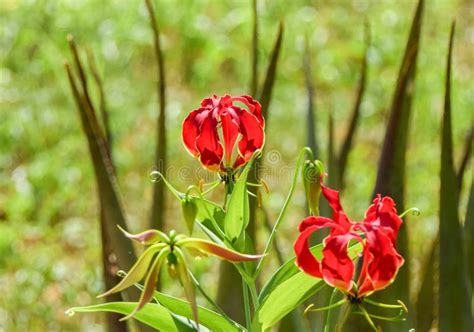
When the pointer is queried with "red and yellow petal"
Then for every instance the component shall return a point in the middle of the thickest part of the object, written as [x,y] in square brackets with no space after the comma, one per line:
[337,268]
[191,129]
[381,262]
[207,143]
[216,250]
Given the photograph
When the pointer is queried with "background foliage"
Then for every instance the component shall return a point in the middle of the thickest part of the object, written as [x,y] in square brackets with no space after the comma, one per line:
[49,234]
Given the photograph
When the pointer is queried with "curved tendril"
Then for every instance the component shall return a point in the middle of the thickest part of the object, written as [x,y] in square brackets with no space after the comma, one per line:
[155,175]
[414,212]
[301,155]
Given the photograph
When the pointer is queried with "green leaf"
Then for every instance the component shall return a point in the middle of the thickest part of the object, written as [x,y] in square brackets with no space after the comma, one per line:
[288,288]
[237,216]
[152,314]
[392,164]
[210,215]
[285,298]
[454,291]
[210,319]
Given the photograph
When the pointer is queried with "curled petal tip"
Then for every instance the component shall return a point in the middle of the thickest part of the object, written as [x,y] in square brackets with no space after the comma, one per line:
[217,250]
[147,237]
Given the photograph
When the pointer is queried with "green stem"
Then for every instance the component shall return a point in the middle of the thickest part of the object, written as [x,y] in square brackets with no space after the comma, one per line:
[328,315]
[212,302]
[301,155]
[248,319]
[254,295]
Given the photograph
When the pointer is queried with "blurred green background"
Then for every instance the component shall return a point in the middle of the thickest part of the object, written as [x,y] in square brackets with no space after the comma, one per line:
[49,230]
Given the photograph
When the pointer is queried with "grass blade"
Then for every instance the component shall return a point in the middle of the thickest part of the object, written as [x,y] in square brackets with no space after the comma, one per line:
[454,292]
[469,235]
[102,101]
[349,137]
[159,198]
[467,153]
[311,140]
[391,170]
[267,89]
[105,178]
[254,58]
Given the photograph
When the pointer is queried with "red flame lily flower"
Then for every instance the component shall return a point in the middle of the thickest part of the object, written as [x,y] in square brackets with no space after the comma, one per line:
[377,233]
[211,132]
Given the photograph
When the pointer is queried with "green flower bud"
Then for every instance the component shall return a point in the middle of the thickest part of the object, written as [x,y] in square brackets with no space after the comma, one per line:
[311,173]
[189,208]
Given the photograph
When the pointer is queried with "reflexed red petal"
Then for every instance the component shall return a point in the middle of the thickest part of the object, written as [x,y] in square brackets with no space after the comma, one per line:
[191,129]
[337,267]
[381,262]
[230,132]
[253,135]
[339,216]
[304,258]
[317,221]
[254,107]
[383,213]
[208,145]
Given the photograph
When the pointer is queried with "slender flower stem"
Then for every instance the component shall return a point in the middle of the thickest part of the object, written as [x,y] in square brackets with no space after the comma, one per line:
[344,316]
[327,326]
[301,155]
[248,319]
[214,186]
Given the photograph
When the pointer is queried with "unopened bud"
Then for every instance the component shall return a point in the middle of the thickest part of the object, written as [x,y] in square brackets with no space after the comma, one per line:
[189,208]
[311,173]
